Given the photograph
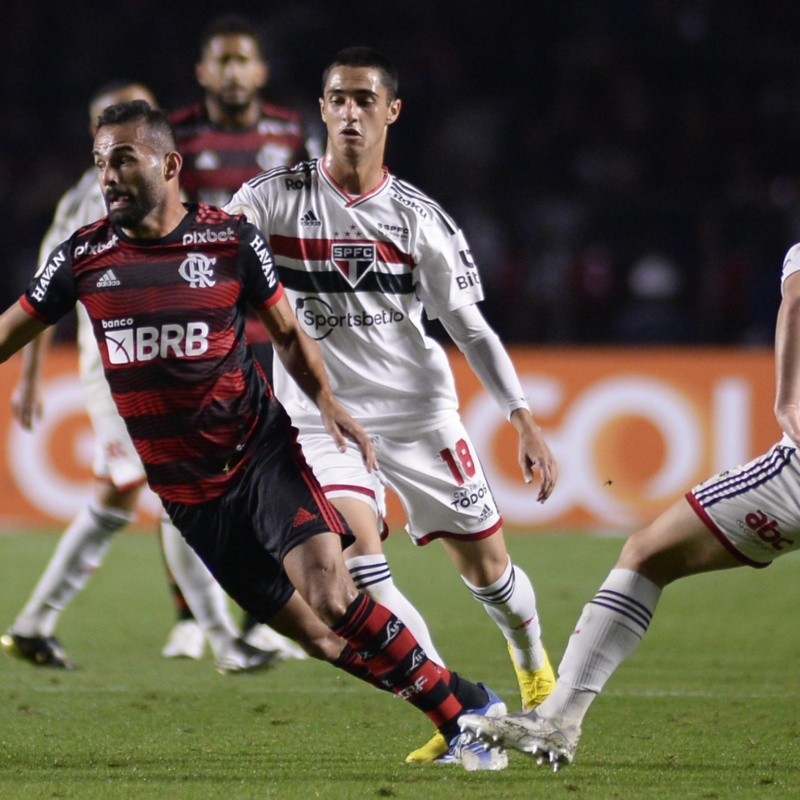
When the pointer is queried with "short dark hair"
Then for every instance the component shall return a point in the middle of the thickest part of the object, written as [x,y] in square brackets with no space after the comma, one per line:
[230,25]
[360,56]
[140,111]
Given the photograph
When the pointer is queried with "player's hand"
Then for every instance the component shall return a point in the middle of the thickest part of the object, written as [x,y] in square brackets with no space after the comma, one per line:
[341,426]
[26,404]
[534,454]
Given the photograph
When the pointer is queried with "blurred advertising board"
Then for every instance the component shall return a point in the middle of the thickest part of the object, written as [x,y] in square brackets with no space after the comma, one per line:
[632,429]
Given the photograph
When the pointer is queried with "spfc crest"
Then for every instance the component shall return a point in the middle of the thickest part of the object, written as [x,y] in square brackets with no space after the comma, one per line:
[353,260]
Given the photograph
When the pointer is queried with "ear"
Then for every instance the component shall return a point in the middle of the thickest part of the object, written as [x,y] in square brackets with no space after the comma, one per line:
[172,165]
[200,74]
[322,108]
[394,110]
[264,74]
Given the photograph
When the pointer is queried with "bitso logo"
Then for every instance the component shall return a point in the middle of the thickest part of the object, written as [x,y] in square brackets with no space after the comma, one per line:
[130,345]
[353,260]
[197,270]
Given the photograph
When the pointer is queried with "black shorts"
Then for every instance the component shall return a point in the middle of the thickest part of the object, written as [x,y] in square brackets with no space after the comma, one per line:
[243,536]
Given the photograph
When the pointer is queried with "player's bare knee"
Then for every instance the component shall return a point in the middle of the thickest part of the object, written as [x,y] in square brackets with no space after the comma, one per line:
[331,600]
[325,647]
[641,554]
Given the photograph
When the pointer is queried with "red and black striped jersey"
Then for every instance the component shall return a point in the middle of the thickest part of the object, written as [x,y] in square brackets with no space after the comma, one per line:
[168,316]
[218,160]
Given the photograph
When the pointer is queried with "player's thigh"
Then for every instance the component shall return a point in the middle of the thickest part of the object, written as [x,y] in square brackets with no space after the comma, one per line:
[115,458]
[440,481]
[343,476]
[233,553]
[748,515]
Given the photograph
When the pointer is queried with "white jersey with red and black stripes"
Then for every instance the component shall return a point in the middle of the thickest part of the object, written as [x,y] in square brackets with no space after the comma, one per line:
[359,272]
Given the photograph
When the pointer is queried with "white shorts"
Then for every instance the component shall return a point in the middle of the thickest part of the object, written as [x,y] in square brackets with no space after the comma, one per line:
[436,475]
[754,510]
[115,457]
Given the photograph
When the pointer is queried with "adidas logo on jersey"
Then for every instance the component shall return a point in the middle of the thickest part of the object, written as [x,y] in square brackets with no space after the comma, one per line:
[310,218]
[108,278]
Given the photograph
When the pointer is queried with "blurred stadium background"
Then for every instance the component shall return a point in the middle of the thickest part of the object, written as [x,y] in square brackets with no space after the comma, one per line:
[626,173]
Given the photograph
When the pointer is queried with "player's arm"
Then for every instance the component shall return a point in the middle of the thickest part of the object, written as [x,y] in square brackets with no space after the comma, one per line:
[26,399]
[17,328]
[302,357]
[490,361]
[787,359]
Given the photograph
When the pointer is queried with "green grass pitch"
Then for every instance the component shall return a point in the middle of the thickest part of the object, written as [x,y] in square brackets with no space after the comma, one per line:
[707,707]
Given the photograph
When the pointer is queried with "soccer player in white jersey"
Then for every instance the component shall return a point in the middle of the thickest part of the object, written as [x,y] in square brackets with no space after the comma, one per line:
[748,515]
[118,473]
[361,254]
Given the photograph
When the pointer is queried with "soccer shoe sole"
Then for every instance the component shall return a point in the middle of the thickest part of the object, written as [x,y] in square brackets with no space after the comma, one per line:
[544,742]
[39,650]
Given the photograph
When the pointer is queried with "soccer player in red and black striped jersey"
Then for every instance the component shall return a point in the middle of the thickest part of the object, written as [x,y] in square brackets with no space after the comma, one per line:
[166,287]
[234,134]
[228,137]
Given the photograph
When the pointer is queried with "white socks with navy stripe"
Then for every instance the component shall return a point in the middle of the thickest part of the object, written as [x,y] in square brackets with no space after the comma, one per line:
[612,624]
[371,574]
[511,602]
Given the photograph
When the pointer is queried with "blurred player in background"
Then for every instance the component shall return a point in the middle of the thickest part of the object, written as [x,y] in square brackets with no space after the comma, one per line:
[362,254]
[748,515]
[118,472]
[229,137]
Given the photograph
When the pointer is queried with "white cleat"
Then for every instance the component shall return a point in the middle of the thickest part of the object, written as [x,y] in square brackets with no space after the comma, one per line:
[242,657]
[265,638]
[541,738]
[186,640]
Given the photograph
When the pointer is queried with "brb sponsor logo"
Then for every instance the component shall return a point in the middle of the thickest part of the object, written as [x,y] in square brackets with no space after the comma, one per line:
[127,344]
[320,320]
[767,530]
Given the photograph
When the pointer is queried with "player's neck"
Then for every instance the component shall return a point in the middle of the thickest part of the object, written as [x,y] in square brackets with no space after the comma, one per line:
[227,117]
[160,222]
[355,177]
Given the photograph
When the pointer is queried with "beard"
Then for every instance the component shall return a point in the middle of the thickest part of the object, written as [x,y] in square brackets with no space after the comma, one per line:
[133,213]
[234,102]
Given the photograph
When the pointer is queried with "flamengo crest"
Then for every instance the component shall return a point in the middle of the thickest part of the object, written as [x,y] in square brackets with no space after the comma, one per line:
[353,260]
[197,270]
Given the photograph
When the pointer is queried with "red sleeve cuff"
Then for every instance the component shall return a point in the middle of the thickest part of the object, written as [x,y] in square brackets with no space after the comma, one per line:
[29,309]
[273,298]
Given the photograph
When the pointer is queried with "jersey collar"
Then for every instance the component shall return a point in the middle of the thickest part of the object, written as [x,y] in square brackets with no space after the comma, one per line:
[351,200]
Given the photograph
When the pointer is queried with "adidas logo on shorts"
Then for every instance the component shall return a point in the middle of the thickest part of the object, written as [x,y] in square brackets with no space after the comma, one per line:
[108,278]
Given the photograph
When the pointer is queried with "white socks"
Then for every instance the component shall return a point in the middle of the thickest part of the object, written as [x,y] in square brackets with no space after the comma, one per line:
[204,596]
[371,574]
[79,552]
[511,602]
[613,622]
